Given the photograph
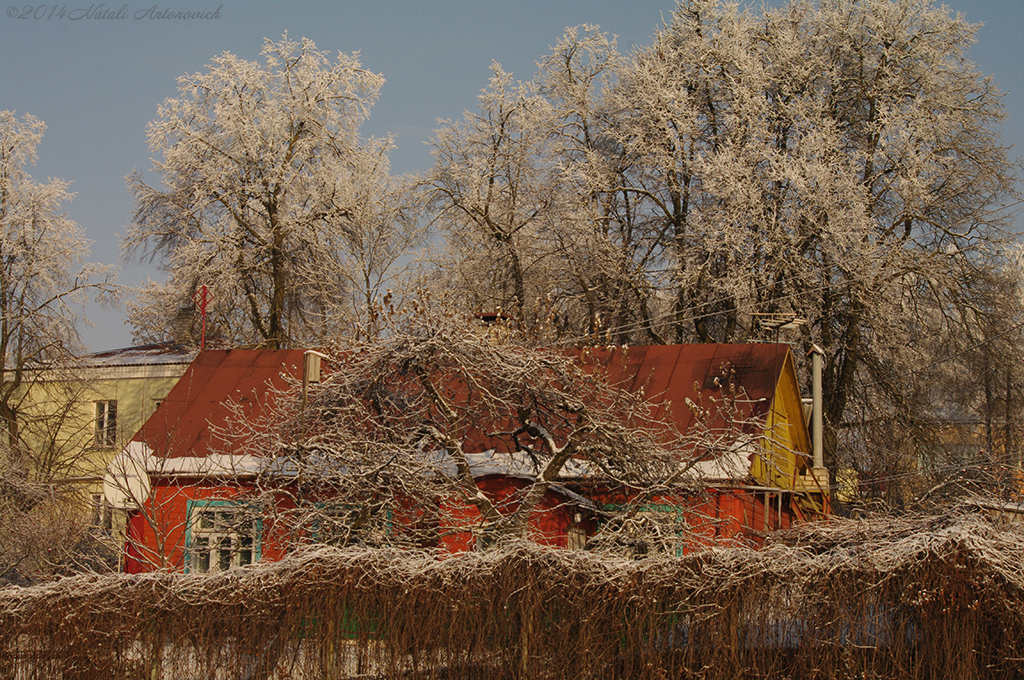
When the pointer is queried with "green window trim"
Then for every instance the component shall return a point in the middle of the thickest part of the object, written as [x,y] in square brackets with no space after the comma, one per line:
[326,507]
[236,554]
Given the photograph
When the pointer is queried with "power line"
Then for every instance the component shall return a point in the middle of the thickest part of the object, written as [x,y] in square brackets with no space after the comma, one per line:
[846,267]
[945,359]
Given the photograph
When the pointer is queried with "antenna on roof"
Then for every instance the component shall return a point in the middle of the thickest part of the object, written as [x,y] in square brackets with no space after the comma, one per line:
[201,297]
[780,322]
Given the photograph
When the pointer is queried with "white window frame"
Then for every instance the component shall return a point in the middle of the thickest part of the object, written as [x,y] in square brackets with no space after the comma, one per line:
[220,536]
[105,423]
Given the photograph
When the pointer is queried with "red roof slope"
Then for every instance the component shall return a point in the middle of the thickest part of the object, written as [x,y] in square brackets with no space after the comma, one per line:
[187,421]
[667,374]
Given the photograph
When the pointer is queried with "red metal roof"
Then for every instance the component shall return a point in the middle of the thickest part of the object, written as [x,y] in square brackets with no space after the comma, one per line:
[671,374]
[190,416]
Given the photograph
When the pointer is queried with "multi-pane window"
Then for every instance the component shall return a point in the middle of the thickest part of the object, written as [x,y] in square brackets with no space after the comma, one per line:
[102,512]
[222,536]
[106,423]
[342,525]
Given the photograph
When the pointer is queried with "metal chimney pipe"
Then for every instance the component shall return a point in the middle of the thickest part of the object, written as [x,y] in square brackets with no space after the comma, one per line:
[817,423]
[310,371]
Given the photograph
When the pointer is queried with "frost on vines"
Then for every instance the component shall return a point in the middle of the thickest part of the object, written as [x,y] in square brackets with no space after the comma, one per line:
[409,417]
[44,276]
[269,196]
[405,428]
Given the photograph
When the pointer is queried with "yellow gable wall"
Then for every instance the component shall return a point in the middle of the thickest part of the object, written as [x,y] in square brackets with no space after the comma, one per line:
[59,416]
[786,447]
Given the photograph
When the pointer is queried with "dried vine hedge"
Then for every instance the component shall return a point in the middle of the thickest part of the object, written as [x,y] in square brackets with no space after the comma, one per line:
[923,598]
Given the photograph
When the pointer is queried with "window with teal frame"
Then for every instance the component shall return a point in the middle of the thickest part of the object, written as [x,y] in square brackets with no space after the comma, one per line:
[343,524]
[663,524]
[221,535]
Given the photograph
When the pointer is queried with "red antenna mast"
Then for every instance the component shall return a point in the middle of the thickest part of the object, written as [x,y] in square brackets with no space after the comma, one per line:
[201,297]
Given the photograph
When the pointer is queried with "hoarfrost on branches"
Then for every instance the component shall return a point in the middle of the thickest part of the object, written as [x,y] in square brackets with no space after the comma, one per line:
[44,276]
[837,162]
[495,191]
[269,197]
[45,280]
[406,425]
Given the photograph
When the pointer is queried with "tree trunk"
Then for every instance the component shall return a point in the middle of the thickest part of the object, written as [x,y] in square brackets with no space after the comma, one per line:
[277,335]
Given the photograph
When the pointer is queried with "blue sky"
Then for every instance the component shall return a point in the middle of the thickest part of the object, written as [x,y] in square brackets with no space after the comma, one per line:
[97,82]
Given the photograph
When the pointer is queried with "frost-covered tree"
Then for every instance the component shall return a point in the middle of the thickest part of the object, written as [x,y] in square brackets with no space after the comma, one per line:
[521,189]
[837,161]
[495,192]
[604,257]
[267,195]
[43,530]
[389,448]
[44,276]
[45,281]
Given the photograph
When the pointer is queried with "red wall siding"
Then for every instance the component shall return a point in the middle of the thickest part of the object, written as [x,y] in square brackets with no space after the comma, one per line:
[156,537]
[157,534]
[548,525]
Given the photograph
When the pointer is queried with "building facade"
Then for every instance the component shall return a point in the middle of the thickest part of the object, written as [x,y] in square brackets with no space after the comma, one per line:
[187,478]
[73,419]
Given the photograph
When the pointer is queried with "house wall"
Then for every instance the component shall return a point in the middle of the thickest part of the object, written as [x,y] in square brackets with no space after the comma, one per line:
[157,534]
[786,444]
[549,524]
[59,414]
[715,516]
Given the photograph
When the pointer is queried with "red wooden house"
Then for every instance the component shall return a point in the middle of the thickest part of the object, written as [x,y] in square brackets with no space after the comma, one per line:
[184,474]
[767,479]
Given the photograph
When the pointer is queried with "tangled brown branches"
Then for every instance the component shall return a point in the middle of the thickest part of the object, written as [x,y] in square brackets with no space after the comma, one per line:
[417,418]
[924,598]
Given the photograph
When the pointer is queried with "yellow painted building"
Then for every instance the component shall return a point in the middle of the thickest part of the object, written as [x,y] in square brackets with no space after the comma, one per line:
[74,419]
